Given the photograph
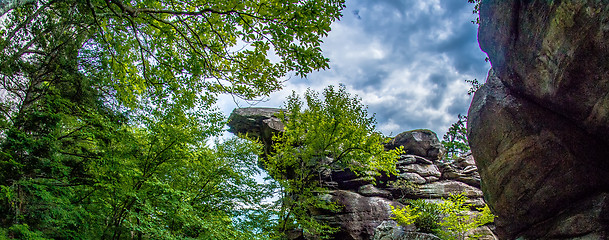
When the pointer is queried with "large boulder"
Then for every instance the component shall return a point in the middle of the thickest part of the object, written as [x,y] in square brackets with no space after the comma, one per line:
[539,127]
[421,142]
[359,216]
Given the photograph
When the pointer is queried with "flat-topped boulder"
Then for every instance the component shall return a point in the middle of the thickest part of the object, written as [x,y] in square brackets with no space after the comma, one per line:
[258,123]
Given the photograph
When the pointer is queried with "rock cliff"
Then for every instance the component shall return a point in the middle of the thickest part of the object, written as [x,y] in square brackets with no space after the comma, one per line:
[539,127]
[366,207]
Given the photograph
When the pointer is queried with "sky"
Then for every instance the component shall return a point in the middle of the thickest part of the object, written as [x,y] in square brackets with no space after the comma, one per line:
[406,59]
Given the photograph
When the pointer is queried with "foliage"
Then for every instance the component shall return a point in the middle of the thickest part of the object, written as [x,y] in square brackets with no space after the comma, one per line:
[107,107]
[476,10]
[475,86]
[328,133]
[455,140]
[429,215]
[451,219]
[168,49]
[456,223]
[22,231]
[405,216]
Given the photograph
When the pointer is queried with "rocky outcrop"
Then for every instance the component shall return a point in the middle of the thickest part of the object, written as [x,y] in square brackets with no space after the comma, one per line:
[539,127]
[359,216]
[257,123]
[463,169]
[421,142]
[366,202]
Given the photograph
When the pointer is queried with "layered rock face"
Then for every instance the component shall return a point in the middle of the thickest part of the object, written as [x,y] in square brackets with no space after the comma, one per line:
[367,206]
[539,127]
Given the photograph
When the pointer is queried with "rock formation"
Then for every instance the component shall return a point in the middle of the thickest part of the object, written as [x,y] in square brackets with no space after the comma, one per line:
[367,206]
[539,127]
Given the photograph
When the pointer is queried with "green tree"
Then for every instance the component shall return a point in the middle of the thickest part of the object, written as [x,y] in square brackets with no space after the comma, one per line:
[455,140]
[104,111]
[321,134]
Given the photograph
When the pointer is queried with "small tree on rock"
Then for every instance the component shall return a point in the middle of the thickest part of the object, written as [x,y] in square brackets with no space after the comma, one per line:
[322,134]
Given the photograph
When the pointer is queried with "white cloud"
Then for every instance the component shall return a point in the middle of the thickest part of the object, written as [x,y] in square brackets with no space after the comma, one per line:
[406,59]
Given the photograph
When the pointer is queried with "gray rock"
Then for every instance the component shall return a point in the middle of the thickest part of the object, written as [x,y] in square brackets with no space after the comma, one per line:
[390,230]
[465,161]
[431,179]
[260,123]
[412,177]
[533,162]
[420,142]
[359,216]
[370,190]
[482,233]
[424,170]
[443,189]
[409,159]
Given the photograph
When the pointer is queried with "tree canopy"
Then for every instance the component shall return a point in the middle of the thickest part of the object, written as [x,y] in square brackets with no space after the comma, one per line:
[107,108]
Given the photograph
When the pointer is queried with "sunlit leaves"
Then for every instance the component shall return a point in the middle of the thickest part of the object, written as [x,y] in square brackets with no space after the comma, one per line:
[323,132]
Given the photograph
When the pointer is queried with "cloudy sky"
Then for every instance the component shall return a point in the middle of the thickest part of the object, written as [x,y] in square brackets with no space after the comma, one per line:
[406,59]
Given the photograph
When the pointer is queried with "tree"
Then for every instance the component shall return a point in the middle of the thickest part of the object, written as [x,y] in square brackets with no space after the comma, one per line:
[455,140]
[107,105]
[322,134]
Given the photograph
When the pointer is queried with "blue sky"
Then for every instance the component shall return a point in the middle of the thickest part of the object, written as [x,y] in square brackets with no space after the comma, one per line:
[406,59]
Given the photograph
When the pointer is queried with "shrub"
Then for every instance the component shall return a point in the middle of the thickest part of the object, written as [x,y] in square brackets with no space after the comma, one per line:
[404,216]
[449,220]
[429,218]
[456,223]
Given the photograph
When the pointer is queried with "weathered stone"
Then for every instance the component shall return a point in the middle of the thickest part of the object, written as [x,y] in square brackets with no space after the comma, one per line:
[534,162]
[359,216]
[412,177]
[420,142]
[482,233]
[431,179]
[588,219]
[539,128]
[354,184]
[390,230]
[443,189]
[463,170]
[424,170]
[258,123]
[409,159]
[553,53]
[466,161]
[370,190]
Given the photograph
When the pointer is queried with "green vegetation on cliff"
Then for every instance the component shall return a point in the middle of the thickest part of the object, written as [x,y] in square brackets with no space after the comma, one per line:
[323,133]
